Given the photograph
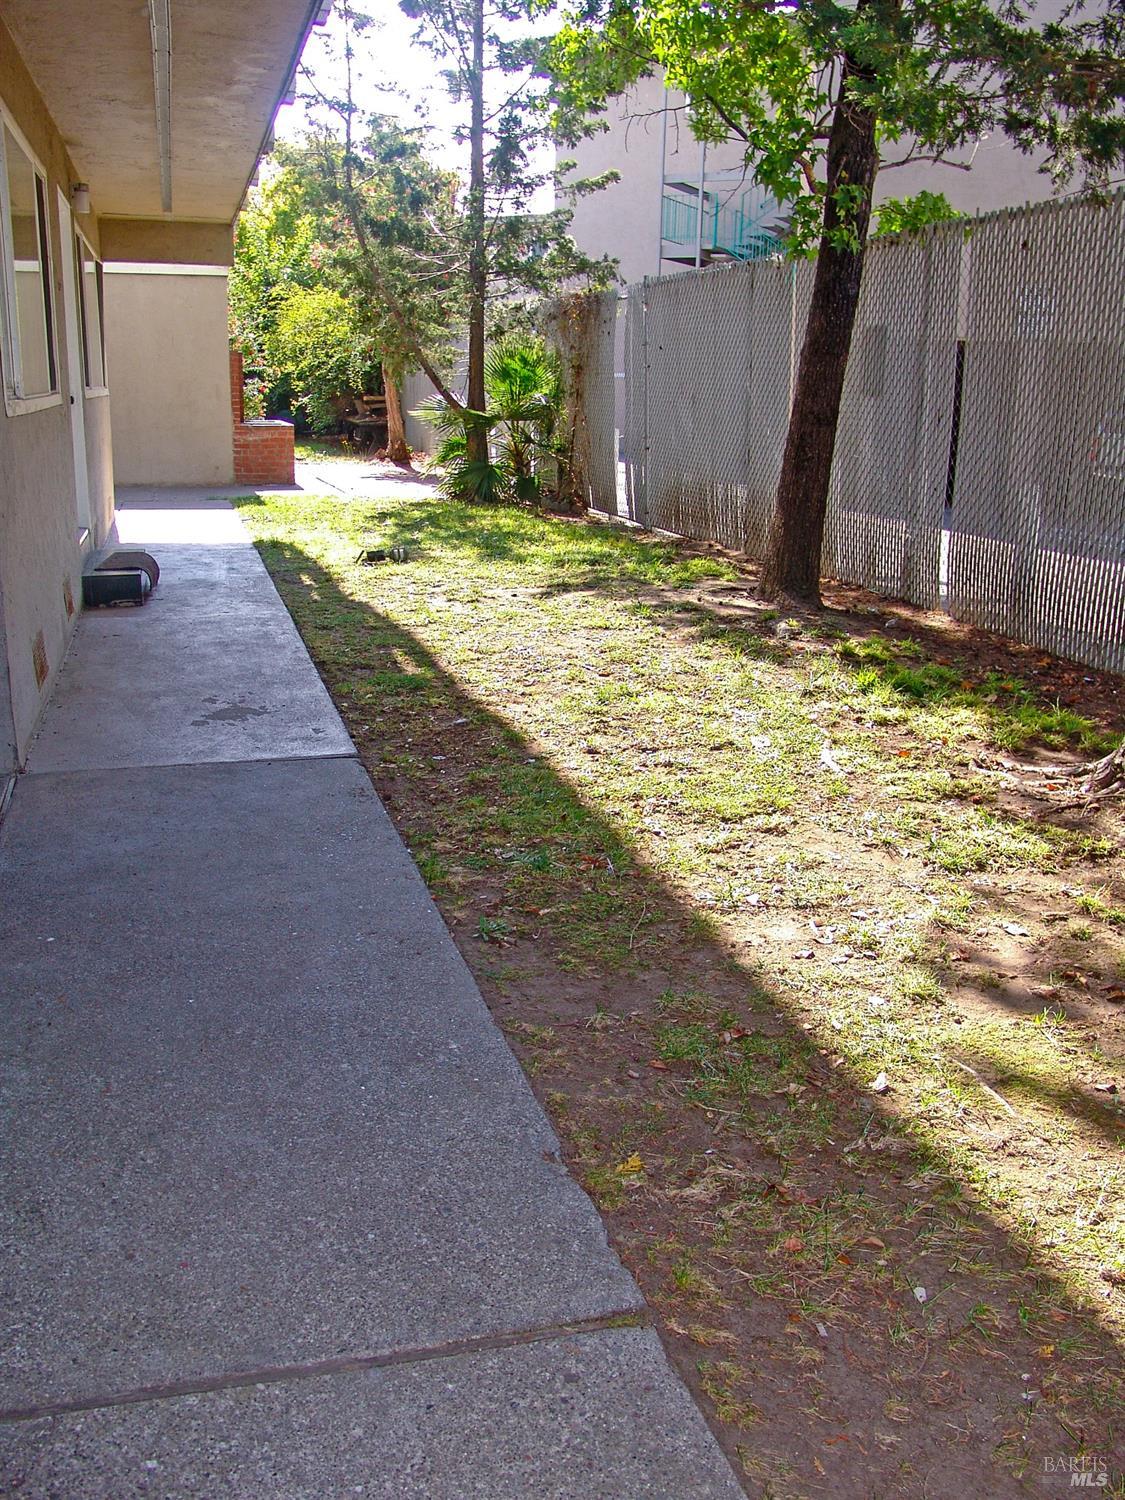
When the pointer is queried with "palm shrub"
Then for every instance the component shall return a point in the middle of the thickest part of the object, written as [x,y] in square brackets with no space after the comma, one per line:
[522,426]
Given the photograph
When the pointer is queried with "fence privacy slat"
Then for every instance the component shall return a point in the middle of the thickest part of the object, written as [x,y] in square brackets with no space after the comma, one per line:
[890,468]
[1037,544]
[980,456]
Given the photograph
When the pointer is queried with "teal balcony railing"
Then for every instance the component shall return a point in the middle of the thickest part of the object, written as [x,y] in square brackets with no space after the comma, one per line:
[729,228]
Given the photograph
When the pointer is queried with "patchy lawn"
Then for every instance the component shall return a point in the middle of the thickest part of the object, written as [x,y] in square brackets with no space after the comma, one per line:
[828,1013]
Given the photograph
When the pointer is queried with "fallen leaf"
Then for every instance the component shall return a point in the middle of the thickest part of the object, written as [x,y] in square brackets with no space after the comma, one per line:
[1106,1088]
[874,1241]
[1015,930]
[630,1166]
[793,1245]
[655,1062]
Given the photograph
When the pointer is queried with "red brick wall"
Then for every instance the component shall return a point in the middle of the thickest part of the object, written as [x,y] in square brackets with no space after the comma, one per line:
[237,407]
[263,452]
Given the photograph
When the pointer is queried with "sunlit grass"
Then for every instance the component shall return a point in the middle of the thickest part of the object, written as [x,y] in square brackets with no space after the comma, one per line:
[641,782]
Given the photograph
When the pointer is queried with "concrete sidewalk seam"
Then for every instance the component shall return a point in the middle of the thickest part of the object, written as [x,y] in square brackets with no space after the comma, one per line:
[194,765]
[340,1364]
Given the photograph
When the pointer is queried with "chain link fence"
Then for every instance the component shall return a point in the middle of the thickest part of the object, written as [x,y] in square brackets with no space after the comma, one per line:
[980,457]
[891,467]
[1037,540]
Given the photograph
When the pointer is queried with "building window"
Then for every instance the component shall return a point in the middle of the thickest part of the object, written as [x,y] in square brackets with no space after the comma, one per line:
[30,366]
[92,301]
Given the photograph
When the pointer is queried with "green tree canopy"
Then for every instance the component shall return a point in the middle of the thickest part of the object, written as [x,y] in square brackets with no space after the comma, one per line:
[934,76]
[335,283]
[821,94]
[318,341]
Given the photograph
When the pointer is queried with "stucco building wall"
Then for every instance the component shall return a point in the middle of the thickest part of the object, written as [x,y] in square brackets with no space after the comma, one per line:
[646,126]
[623,220]
[167,354]
[40,550]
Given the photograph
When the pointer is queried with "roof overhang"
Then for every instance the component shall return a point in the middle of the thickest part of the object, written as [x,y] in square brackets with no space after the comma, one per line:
[164,105]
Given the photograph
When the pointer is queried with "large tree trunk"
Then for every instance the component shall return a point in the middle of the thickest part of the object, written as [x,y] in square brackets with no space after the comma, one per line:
[791,566]
[478,270]
[398,450]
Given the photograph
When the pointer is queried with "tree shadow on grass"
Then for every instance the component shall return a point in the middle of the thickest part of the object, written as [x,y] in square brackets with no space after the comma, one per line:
[782,1219]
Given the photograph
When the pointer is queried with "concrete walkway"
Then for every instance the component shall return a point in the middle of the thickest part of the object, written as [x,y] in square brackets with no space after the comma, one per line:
[281,1217]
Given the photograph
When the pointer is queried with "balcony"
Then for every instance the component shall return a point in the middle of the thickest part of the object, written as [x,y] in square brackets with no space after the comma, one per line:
[744,225]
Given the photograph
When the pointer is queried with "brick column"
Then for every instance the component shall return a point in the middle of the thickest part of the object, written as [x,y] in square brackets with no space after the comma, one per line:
[263,452]
[237,400]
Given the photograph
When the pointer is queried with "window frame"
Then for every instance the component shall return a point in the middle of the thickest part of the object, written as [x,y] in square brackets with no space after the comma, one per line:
[15,402]
[80,240]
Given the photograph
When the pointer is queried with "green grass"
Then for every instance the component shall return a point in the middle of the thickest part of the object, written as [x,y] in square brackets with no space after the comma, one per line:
[961,838]
[318,449]
[895,672]
[1094,906]
[603,774]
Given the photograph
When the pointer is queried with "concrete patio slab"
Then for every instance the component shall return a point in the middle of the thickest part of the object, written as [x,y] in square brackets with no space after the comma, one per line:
[355,479]
[595,1417]
[210,669]
[256,1111]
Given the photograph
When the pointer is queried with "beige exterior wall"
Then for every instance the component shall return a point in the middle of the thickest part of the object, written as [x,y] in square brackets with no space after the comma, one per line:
[167,353]
[157,241]
[623,220]
[997,176]
[8,756]
[40,552]
[166,184]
